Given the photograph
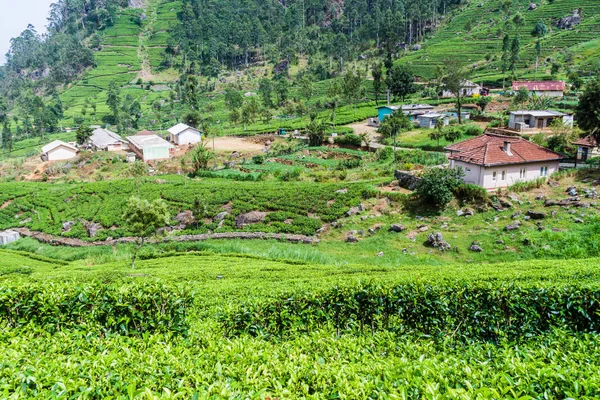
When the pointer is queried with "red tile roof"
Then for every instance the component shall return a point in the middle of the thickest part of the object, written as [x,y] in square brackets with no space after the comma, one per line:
[540,86]
[488,150]
[588,141]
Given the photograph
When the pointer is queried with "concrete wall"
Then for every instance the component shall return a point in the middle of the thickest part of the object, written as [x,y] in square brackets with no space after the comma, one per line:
[484,176]
[156,153]
[61,153]
[548,93]
[189,136]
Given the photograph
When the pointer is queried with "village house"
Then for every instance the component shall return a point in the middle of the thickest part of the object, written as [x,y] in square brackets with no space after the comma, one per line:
[495,161]
[537,119]
[150,147]
[58,151]
[105,140]
[469,89]
[412,110]
[428,120]
[182,134]
[541,88]
[587,148]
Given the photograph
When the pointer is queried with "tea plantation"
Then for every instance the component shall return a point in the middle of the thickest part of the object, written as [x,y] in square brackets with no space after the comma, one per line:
[201,325]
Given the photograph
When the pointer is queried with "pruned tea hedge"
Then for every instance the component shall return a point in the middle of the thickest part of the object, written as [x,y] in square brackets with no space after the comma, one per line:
[130,310]
[469,312]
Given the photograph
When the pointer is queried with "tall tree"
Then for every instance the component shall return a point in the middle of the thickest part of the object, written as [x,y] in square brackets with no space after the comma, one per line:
[454,81]
[83,134]
[144,219]
[587,111]
[113,101]
[377,74]
[515,49]
[401,81]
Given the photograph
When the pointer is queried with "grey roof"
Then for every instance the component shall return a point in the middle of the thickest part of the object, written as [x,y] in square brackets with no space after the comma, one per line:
[57,143]
[177,129]
[539,113]
[390,107]
[411,107]
[101,138]
[148,141]
[432,115]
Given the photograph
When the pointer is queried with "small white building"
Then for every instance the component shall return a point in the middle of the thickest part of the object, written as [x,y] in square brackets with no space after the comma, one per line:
[182,134]
[148,146]
[428,120]
[9,236]
[496,161]
[105,140]
[537,119]
[58,150]
[469,89]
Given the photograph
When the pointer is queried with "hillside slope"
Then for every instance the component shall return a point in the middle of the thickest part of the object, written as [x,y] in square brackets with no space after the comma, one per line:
[474,35]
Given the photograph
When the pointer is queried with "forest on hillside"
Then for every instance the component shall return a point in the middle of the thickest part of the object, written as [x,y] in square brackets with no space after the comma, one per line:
[217,34]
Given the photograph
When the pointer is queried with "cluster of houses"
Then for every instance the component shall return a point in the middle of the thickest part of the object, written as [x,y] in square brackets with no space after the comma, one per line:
[145,145]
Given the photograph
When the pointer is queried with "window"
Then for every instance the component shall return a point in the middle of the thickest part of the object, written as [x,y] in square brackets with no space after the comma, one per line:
[544,171]
[494,176]
[503,175]
[523,173]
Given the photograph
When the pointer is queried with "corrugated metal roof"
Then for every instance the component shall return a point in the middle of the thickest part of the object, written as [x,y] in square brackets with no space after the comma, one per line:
[101,138]
[146,141]
[540,86]
[57,143]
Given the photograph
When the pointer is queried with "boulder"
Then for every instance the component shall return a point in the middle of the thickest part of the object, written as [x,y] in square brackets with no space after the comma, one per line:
[342,191]
[437,241]
[66,227]
[93,228]
[351,239]
[532,6]
[220,216]
[354,211]
[380,254]
[422,228]
[185,217]
[475,248]
[537,215]
[406,180]
[469,212]
[578,221]
[253,217]
[513,227]
[569,22]
[572,191]
[397,228]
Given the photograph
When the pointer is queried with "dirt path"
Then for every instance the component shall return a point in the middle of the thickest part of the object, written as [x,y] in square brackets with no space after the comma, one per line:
[146,72]
[61,241]
[235,144]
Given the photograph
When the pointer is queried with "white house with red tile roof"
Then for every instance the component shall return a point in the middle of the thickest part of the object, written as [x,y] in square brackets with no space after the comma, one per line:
[542,88]
[495,161]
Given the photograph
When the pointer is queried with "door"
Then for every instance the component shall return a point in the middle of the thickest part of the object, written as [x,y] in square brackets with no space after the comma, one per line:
[540,123]
[584,153]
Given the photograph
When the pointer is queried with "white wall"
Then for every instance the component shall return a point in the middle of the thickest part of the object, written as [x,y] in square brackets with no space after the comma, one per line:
[189,136]
[484,176]
[61,153]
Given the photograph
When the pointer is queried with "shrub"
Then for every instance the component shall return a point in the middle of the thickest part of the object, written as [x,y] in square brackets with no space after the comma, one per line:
[384,154]
[351,140]
[472,130]
[467,193]
[437,185]
[527,186]
[258,159]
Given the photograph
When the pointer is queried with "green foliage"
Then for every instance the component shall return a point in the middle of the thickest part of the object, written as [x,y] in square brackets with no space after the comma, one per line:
[467,193]
[201,156]
[437,185]
[526,186]
[83,134]
[587,112]
[400,81]
[258,159]
[394,124]
[98,309]
[350,140]
[469,313]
